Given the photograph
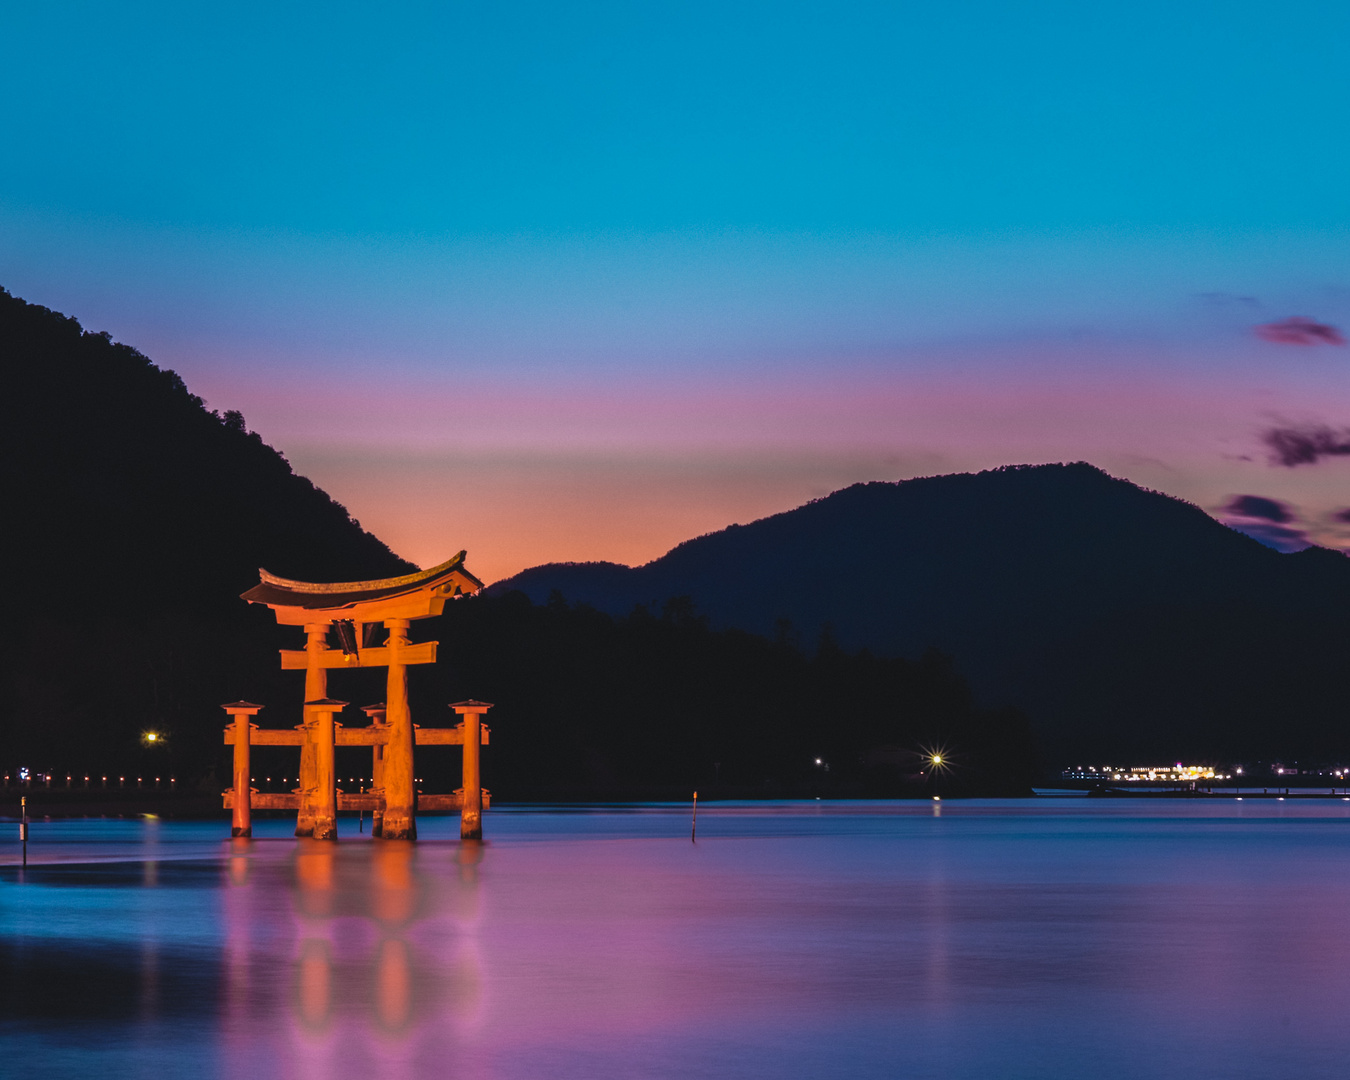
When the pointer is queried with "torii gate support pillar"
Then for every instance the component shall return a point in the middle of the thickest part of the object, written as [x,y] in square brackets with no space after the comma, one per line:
[471,794]
[239,712]
[376,714]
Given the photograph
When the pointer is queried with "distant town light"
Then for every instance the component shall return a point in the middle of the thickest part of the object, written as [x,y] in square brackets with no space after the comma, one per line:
[1155,773]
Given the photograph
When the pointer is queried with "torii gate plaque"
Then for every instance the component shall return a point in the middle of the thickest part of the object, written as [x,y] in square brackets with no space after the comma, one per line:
[354,607]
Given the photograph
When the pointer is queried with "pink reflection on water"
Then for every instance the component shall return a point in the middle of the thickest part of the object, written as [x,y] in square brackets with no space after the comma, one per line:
[785,941]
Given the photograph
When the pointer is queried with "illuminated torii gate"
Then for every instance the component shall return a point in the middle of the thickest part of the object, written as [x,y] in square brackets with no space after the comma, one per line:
[353,609]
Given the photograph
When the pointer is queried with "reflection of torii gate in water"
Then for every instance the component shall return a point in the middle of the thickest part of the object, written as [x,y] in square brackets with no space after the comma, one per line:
[353,609]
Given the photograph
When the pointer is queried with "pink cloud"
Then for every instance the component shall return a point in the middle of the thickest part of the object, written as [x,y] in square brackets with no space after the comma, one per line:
[1298,330]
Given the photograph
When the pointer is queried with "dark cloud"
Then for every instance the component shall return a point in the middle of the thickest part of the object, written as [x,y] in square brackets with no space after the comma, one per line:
[1298,330]
[1341,515]
[1268,521]
[1280,537]
[1290,446]
[1257,506]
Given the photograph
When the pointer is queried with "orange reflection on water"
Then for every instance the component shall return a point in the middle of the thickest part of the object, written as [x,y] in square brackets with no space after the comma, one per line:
[314,984]
[314,876]
[394,985]
[395,894]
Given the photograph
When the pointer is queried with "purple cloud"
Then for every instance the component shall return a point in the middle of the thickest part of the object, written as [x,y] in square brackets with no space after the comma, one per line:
[1290,446]
[1341,515]
[1257,506]
[1280,537]
[1299,330]
[1267,521]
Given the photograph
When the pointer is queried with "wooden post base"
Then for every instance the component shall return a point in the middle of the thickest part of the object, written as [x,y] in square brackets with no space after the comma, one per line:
[398,826]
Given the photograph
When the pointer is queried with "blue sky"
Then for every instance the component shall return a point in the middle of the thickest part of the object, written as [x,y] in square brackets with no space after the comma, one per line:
[473,120]
[496,206]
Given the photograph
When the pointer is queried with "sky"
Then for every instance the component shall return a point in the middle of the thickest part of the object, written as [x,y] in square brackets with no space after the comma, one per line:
[574,282]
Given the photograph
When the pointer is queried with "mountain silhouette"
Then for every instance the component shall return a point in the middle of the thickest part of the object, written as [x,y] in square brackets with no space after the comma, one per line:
[136,516]
[1128,624]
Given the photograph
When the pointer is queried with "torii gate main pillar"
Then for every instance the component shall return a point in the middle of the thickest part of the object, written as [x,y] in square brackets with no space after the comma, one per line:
[400,814]
[316,689]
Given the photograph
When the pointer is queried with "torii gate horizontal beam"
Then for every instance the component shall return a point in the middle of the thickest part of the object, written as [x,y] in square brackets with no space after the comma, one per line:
[362,736]
[424,652]
[288,800]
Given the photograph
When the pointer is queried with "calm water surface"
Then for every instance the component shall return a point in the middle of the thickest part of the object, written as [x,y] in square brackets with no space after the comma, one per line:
[1042,938]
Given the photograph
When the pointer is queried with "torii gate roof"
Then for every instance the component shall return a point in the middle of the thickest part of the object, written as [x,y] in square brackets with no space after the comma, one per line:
[412,596]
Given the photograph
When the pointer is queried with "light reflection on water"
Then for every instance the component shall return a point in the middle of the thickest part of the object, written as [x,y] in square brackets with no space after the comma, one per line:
[1037,938]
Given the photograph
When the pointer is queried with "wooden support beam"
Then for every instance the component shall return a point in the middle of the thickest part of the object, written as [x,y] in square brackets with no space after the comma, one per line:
[268,800]
[376,714]
[444,804]
[239,733]
[363,736]
[424,652]
[353,801]
[471,794]
[441,736]
[269,736]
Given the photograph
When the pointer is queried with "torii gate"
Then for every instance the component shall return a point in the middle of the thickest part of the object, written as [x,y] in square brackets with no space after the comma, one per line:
[353,608]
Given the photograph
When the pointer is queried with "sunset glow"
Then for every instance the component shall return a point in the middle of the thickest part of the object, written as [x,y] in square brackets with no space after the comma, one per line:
[513,284]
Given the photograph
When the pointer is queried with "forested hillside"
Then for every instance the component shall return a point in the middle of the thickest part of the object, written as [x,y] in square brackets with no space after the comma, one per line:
[1126,623]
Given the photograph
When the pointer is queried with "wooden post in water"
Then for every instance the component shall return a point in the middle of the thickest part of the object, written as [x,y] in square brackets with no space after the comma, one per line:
[376,713]
[239,713]
[471,794]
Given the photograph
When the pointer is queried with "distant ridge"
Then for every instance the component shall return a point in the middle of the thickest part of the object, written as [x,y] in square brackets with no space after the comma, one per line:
[1126,622]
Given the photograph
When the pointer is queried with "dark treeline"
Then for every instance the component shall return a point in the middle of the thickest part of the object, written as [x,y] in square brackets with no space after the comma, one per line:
[658,705]
[1130,626]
